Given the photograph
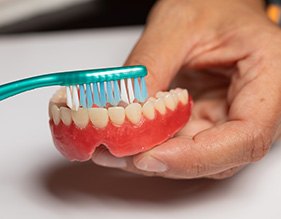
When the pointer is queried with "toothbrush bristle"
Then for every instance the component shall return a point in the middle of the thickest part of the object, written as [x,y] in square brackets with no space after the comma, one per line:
[83,102]
[101,93]
[89,96]
[116,92]
[144,94]
[137,89]
[124,94]
[68,97]
[76,102]
[96,94]
[130,90]
[109,90]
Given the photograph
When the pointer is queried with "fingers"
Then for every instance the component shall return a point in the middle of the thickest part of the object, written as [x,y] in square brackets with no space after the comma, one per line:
[104,158]
[226,174]
[162,46]
[208,153]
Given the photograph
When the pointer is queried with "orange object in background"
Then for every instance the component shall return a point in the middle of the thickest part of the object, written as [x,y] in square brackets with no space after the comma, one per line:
[274,12]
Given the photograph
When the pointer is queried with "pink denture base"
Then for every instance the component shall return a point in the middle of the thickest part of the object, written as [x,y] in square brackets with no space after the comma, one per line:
[128,139]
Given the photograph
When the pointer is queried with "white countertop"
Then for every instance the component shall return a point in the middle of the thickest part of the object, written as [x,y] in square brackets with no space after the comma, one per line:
[37,182]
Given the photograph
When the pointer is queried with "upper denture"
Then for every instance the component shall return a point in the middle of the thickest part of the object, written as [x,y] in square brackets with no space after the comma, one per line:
[116,115]
[148,110]
[134,112]
[157,112]
[65,114]
[100,117]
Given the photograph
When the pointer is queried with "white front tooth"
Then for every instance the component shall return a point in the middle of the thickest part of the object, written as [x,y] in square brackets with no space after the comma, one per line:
[50,110]
[169,102]
[99,117]
[133,112]
[80,117]
[55,114]
[173,91]
[183,96]
[116,115]
[65,115]
[160,106]
[176,99]
[148,110]
[178,90]
[152,99]
[161,94]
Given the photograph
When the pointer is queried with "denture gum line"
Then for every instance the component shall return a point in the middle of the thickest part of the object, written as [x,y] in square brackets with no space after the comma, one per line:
[100,117]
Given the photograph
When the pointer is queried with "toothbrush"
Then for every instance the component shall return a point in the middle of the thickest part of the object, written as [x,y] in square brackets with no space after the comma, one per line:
[85,88]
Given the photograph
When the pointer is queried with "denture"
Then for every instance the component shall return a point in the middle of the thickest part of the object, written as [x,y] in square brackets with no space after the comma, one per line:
[125,130]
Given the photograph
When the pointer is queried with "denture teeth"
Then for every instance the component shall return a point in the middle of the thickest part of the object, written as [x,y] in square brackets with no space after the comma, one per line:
[160,106]
[50,110]
[161,94]
[80,117]
[152,99]
[169,102]
[183,96]
[173,91]
[55,114]
[175,97]
[65,115]
[148,110]
[133,112]
[116,115]
[99,117]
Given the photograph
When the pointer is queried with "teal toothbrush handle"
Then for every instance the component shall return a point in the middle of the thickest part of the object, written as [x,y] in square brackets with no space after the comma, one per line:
[14,88]
[71,78]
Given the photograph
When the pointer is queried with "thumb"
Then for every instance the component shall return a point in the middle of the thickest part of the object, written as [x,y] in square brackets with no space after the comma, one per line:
[209,152]
[160,47]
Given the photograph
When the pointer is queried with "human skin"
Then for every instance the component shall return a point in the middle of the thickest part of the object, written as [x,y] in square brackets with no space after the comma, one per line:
[227,53]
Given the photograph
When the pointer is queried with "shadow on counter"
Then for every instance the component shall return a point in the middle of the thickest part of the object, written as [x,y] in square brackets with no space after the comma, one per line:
[65,181]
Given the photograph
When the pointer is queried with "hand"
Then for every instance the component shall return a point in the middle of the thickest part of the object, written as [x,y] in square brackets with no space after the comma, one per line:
[227,53]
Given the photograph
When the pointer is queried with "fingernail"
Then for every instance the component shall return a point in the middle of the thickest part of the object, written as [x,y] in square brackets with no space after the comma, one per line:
[150,164]
[108,160]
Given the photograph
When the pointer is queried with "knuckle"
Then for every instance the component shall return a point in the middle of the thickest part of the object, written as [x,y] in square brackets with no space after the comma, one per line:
[224,175]
[143,58]
[155,71]
[259,143]
[193,166]
[196,169]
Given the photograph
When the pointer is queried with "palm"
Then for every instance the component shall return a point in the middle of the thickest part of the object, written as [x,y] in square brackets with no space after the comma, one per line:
[209,92]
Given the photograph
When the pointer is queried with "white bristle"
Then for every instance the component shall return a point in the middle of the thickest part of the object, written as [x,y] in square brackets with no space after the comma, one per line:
[68,97]
[98,86]
[130,90]
[75,98]
[124,94]
[105,86]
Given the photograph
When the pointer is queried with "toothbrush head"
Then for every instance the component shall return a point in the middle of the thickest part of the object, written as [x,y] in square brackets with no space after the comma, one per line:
[108,87]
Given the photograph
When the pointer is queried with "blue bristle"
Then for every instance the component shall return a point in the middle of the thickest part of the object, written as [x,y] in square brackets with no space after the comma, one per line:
[137,90]
[82,96]
[102,94]
[109,90]
[117,96]
[89,96]
[144,94]
[96,94]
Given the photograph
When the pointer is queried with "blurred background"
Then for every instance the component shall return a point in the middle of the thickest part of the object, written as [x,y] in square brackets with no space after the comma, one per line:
[25,16]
